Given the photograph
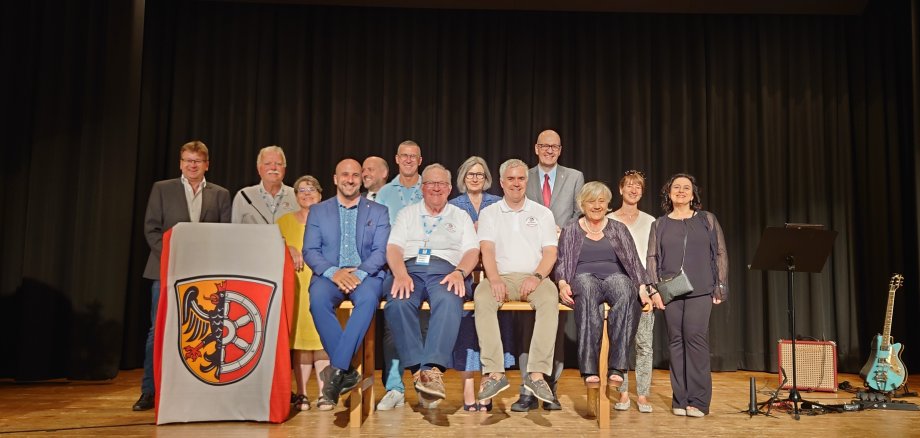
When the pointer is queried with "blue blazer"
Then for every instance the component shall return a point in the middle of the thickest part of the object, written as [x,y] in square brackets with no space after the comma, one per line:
[323,237]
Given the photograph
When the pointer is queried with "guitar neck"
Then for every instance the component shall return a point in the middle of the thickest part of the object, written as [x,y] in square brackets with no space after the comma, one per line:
[889,311]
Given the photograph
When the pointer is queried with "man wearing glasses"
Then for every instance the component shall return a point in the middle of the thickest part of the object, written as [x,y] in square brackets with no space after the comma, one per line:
[266,202]
[431,251]
[554,187]
[402,191]
[188,198]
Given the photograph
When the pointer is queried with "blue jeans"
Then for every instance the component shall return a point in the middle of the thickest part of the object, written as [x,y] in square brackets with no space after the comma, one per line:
[147,386]
[402,316]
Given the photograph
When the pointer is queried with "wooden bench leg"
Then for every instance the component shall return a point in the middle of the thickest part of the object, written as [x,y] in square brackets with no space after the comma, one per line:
[603,404]
[361,399]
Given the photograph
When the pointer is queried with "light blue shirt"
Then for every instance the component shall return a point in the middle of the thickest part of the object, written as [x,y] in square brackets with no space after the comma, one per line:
[552,178]
[396,197]
[348,248]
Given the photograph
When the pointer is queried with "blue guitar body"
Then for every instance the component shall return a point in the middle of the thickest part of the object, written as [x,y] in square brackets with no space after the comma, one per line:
[884,371]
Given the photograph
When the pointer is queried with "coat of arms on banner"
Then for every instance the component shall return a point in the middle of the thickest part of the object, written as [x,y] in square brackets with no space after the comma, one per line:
[222,323]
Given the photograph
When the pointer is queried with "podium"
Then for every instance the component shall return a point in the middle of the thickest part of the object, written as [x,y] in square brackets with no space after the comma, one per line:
[221,349]
[793,248]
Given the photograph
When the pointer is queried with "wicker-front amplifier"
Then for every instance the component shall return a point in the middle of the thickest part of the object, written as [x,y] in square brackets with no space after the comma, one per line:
[815,362]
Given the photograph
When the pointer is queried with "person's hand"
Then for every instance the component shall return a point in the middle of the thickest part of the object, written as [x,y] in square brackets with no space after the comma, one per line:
[565,294]
[346,280]
[655,299]
[403,286]
[716,301]
[499,290]
[455,283]
[528,285]
[297,257]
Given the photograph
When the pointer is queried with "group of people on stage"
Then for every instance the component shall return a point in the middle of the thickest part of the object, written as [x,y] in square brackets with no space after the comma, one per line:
[550,238]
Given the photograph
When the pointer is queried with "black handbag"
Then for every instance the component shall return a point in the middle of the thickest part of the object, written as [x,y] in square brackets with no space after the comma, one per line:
[679,284]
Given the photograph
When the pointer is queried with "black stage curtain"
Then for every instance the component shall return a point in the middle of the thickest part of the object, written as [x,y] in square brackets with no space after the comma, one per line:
[781,118]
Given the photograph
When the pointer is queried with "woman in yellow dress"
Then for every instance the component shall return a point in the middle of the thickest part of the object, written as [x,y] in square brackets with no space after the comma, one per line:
[307,348]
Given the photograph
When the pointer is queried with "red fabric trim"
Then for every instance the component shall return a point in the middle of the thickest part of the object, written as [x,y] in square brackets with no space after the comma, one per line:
[279,401]
[162,310]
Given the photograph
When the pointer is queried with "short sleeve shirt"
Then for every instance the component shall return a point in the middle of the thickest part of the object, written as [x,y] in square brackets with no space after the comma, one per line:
[449,235]
[519,236]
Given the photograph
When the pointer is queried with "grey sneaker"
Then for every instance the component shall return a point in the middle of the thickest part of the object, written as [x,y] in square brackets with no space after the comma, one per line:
[490,387]
[431,382]
[392,399]
[539,388]
[623,406]
[680,412]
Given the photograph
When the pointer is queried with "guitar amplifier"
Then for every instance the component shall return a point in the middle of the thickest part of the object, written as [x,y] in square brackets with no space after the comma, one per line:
[815,363]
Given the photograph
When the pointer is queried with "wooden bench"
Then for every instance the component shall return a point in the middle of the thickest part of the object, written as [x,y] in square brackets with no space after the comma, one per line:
[361,400]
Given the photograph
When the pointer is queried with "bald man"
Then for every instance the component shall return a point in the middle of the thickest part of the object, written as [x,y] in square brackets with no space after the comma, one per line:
[345,245]
[374,173]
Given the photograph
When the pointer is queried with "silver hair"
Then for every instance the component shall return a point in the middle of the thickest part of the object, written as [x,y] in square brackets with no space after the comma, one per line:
[592,191]
[435,166]
[466,166]
[514,162]
[272,148]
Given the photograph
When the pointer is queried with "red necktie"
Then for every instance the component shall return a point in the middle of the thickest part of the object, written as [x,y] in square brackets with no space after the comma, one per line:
[547,192]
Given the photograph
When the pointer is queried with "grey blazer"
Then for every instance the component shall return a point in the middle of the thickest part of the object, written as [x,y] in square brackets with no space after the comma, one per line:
[167,207]
[566,187]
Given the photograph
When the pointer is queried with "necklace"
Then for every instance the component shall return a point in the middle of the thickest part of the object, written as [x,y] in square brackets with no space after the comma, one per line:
[593,232]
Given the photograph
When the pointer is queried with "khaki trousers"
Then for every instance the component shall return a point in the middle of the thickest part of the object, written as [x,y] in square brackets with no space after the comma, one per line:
[544,300]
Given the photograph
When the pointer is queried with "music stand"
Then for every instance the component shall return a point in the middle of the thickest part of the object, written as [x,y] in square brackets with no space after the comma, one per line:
[793,248]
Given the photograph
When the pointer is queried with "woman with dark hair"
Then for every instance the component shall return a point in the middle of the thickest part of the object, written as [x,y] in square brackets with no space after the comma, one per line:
[689,239]
[598,264]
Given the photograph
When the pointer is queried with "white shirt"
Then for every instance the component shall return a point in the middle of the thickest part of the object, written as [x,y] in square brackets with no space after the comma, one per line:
[519,236]
[193,199]
[640,230]
[451,233]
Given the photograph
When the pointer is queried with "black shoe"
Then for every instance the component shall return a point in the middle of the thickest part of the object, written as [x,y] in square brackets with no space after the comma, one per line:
[524,404]
[553,406]
[145,403]
[339,382]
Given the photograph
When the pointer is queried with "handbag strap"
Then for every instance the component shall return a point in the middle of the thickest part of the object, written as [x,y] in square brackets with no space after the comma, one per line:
[684,255]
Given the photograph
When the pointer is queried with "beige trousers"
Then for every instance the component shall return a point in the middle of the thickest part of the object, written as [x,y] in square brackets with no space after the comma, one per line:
[544,300]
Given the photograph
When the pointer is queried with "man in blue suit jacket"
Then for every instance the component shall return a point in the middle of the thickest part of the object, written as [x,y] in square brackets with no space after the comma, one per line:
[345,245]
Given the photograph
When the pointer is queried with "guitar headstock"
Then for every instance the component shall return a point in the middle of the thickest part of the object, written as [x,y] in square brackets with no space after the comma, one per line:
[897,280]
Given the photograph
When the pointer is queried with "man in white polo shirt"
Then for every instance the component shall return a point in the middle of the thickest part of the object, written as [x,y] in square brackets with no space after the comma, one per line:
[431,251]
[518,240]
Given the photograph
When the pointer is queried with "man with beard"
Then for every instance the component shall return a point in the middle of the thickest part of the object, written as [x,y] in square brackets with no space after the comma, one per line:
[345,246]
[374,173]
[266,202]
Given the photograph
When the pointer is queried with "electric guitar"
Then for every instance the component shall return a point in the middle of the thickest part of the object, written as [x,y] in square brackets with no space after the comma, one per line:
[884,371]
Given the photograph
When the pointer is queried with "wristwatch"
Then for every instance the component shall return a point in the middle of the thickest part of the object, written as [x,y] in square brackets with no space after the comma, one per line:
[538,275]
[462,272]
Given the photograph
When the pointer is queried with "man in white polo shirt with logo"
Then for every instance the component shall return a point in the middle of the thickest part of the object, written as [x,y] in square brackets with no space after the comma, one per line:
[518,241]
[431,251]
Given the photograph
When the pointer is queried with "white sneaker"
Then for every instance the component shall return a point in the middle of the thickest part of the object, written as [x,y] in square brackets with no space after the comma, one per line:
[392,399]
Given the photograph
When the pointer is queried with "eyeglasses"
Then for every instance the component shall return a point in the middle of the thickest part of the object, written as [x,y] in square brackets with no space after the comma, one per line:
[634,172]
[476,175]
[410,157]
[307,189]
[553,147]
[187,161]
[436,184]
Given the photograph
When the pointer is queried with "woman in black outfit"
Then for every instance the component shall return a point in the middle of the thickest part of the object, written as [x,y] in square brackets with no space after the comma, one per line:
[705,262]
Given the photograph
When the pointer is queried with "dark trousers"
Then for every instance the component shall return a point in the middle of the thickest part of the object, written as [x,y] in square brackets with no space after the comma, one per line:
[590,294]
[325,298]
[147,385]
[688,344]
[402,316]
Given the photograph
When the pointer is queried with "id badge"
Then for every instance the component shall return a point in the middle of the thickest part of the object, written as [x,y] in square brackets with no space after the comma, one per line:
[424,257]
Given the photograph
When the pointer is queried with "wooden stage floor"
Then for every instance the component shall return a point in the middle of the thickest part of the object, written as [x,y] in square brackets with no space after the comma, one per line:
[104,408]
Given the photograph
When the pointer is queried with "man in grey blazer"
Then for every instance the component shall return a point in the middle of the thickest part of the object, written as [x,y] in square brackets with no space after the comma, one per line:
[555,187]
[188,198]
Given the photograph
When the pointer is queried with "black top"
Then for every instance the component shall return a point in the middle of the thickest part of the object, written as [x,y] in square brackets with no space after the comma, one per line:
[598,258]
[698,260]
